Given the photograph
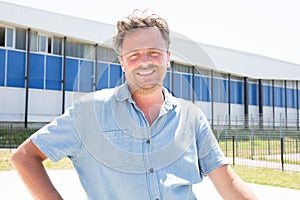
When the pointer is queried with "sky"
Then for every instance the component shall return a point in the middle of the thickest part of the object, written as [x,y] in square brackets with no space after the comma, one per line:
[269,28]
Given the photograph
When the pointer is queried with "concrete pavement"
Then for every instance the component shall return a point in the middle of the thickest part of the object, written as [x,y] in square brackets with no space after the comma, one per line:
[66,181]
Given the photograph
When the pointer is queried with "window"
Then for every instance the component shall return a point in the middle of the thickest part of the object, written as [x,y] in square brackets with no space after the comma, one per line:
[106,54]
[33,41]
[6,37]
[79,50]
[9,37]
[2,36]
[57,46]
[42,43]
[21,39]
[49,45]
[181,68]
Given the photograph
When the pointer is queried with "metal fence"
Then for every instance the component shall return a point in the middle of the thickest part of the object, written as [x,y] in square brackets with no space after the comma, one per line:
[11,136]
[252,147]
[262,149]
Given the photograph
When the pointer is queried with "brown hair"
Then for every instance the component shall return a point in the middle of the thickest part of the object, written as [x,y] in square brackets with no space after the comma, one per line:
[140,19]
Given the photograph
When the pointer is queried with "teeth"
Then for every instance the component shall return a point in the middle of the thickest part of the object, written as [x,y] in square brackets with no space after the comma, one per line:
[145,73]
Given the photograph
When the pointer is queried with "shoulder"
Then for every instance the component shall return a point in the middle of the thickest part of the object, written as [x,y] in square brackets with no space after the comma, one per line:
[190,107]
[100,95]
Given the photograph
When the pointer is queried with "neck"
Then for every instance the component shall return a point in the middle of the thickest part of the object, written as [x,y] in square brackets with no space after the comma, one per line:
[149,103]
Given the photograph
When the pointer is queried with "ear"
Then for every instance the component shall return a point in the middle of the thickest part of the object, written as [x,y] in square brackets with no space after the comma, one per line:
[121,62]
[120,59]
[169,59]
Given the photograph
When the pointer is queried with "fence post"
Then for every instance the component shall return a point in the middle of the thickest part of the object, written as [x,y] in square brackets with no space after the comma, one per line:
[233,153]
[297,146]
[10,137]
[281,152]
[226,136]
[269,146]
[252,139]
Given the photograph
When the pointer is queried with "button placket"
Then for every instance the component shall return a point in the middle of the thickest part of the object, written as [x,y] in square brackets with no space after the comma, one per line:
[152,180]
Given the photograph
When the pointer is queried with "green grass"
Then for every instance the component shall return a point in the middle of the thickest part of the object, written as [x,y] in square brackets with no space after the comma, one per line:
[5,165]
[252,175]
[269,177]
[13,137]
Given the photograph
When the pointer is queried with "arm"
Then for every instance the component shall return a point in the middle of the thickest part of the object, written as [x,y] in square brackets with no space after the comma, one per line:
[28,163]
[229,185]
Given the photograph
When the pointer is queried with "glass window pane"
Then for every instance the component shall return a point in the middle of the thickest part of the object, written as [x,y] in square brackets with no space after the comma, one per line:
[57,46]
[2,36]
[9,37]
[42,43]
[49,45]
[21,39]
[33,41]
[106,54]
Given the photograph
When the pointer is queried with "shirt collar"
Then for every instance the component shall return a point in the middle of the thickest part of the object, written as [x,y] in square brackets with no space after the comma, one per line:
[122,93]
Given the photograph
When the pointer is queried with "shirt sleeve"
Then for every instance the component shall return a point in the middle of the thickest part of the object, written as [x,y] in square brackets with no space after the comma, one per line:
[210,154]
[59,138]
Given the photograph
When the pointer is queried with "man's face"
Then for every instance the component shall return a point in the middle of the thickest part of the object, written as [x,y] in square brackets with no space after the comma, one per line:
[144,59]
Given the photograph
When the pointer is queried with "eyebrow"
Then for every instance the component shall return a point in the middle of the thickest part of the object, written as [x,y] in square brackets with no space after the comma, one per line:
[152,48]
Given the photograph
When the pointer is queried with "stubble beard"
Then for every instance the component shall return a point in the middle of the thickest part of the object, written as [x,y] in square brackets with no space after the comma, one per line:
[147,85]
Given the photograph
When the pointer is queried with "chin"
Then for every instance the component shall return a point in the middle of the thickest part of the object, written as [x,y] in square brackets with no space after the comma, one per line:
[148,88]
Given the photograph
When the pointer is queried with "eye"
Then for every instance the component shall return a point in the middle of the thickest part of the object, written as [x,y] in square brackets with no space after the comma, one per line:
[155,53]
[133,56]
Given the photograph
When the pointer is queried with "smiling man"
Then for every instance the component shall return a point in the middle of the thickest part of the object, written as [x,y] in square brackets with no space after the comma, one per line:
[144,59]
[135,141]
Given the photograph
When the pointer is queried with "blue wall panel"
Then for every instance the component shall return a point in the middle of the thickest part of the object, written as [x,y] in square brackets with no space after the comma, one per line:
[225,91]
[253,94]
[187,87]
[16,69]
[197,88]
[36,75]
[279,97]
[115,75]
[205,85]
[102,76]
[71,74]
[267,95]
[86,76]
[2,66]
[167,81]
[216,91]
[220,94]
[299,98]
[291,98]
[53,72]
[177,85]
[236,92]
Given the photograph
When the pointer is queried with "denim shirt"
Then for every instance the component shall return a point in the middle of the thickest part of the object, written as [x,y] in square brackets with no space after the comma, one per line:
[118,155]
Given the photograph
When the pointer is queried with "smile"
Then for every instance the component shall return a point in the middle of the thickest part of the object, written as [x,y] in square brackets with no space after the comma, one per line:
[146,72]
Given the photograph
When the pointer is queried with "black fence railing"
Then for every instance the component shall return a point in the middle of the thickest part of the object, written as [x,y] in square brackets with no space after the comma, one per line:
[11,136]
[276,152]
[267,148]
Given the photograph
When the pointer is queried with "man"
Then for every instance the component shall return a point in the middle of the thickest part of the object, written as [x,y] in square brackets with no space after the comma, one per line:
[136,141]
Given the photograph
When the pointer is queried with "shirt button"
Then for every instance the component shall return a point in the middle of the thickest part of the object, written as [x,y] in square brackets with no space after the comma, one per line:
[151,170]
[148,141]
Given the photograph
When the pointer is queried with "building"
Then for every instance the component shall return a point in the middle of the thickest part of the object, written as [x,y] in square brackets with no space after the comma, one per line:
[47,60]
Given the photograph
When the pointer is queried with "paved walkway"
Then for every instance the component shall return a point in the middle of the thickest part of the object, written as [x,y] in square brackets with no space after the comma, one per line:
[66,181]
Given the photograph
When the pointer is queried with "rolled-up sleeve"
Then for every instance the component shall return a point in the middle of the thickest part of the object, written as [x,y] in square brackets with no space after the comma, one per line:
[210,154]
[59,138]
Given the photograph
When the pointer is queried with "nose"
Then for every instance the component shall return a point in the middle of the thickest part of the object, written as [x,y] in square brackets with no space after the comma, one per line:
[145,58]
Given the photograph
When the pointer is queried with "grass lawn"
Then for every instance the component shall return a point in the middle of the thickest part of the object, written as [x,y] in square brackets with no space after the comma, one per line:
[264,176]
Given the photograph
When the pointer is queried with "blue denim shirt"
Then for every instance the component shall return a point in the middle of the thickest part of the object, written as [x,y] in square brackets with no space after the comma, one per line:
[117,155]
